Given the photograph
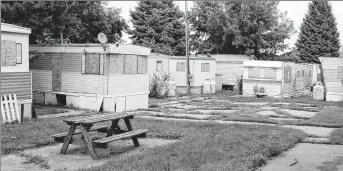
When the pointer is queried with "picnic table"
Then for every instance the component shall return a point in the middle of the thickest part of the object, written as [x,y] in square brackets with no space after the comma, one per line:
[86,124]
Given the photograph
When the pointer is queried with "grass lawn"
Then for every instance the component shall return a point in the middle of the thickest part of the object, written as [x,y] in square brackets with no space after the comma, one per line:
[336,136]
[207,146]
[202,146]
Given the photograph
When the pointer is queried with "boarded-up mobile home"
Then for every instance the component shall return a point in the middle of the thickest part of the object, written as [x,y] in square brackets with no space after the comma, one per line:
[230,66]
[277,78]
[86,76]
[201,68]
[333,77]
[15,74]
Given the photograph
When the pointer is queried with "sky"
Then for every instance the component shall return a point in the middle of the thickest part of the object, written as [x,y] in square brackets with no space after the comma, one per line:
[296,12]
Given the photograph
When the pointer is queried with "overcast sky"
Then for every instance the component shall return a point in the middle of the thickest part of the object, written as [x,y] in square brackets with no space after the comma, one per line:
[296,11]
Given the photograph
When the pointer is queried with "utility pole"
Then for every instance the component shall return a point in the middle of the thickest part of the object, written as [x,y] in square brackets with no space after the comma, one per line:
[187,50]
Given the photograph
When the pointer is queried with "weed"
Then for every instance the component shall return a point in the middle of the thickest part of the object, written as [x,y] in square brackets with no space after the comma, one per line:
[36,159]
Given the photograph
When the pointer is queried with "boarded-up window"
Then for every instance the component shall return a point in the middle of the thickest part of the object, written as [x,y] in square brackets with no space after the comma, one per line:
[205,67]
[159,66]
[262,73]
[8,53]
[180,66]
[131,64]
[142,64]
[340,72]
[92,63]
[19,53]
[303,72]
[287,74]
[116,65]
[298,73]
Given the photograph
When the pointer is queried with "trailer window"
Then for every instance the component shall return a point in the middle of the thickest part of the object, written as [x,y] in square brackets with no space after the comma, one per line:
[158,65]
[205,67]
[340,72]
[19,53]
[180,66]
[91,63]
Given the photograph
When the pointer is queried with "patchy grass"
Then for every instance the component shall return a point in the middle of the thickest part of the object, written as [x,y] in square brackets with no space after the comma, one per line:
[36,159]
[329,114]
[208,146]
[46,110]
[336,136]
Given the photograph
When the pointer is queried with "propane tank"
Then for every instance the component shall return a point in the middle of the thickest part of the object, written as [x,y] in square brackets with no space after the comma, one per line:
[213,86]
[318,92]
[206,88]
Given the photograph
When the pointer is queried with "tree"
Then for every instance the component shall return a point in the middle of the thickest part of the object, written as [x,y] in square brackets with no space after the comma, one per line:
[158,25]
[318,33]
[67,21]
[239,27]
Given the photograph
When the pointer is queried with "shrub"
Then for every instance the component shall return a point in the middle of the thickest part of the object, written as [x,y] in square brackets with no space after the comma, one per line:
[159,86]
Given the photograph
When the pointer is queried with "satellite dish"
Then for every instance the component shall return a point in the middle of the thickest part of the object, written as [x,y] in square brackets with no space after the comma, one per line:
[102,38]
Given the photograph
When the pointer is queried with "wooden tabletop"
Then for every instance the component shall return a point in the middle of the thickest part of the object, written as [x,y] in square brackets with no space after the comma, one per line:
[98,118]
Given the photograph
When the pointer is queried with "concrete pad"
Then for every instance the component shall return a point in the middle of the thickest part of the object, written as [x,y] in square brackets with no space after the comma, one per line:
[317,131]
[300,113]
[285,119]
[182,106]
[268,113]
[218,112]
[268,108]
[77,156]
[310,157]
[250,103]
[16,163]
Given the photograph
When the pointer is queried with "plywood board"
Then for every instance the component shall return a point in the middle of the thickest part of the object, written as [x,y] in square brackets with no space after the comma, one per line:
[142,64]
[116,64]
[131,64]
[8,53]
[92,63]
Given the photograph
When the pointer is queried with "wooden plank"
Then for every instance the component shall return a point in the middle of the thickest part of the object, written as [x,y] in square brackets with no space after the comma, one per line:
[68,139]
[4,118]
[129,127]
[17,108]
[99,128]
[13,113]
[88,142]
[8,114]
[98,118]
[121,136]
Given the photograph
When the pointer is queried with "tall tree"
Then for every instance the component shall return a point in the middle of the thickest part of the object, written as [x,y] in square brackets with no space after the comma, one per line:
[158,25]
[240,27]
[318,33]
[70,21]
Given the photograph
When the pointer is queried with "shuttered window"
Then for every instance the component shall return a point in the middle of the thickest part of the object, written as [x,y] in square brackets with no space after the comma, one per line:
[180,66]
[205,67]
[19,53]
[92,63]
[340,72]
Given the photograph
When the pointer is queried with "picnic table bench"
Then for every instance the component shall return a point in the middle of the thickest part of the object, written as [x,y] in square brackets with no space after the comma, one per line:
[86,124]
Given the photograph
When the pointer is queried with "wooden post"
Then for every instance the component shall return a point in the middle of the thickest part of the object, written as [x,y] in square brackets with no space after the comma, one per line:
[187,50]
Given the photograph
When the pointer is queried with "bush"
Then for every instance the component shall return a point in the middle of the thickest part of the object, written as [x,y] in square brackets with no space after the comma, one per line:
[159,85]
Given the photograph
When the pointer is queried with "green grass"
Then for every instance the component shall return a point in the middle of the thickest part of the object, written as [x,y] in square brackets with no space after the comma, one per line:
[336,136]
[207,146]
[36,159]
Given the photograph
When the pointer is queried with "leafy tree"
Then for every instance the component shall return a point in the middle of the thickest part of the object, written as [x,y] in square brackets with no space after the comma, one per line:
[70,21]
[239,27]
[318,33]
[158,25]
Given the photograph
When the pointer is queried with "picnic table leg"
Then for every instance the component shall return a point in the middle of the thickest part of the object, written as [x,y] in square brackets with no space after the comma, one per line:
[68,138]
[88,142]
[113,127]
[129,127]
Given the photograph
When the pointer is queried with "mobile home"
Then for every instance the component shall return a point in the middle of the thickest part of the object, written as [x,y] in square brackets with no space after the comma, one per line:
[333,77]
[230,66]
[278,78]
[91,76]
[15,75]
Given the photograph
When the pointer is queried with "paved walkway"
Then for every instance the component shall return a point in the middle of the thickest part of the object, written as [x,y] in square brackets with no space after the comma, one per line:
[309,157]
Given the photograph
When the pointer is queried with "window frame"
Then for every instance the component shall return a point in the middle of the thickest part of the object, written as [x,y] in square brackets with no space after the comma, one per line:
[21,55]
[157,62]
[262,73]
[184,67]
[98,66]
[208,67]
